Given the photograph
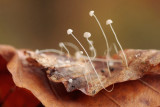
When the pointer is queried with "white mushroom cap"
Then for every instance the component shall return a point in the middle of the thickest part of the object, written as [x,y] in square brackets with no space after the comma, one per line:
[61,44]
[70,80]
[81,52]
[69,31]
[109,21]
[87,35]
[78,54]
[91,13]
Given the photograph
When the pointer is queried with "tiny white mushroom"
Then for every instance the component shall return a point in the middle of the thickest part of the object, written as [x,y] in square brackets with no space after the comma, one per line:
[61,44]
[105,37]
[93,50]
[91,13]
[89,59]
[69,31]
[87,35]
[109,21]
[70,80]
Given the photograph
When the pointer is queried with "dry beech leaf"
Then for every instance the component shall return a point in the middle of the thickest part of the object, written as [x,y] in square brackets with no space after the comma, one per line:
[10,95]
[39,74]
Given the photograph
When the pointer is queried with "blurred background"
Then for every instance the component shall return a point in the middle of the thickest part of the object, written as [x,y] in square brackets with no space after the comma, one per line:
[42,24]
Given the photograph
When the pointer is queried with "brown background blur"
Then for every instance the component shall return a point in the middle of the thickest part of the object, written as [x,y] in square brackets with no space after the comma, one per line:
[41,24]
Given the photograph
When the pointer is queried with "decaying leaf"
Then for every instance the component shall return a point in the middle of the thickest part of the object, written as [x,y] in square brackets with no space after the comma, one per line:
[10,95]
[141,62]
[31,71]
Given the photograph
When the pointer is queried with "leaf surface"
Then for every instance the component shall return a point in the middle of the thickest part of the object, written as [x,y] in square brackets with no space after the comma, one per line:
[141,92]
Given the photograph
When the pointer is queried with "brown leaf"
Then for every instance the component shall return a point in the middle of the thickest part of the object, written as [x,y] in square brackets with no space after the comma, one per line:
[141,92]
[30,78]
[140,62]
[10,95]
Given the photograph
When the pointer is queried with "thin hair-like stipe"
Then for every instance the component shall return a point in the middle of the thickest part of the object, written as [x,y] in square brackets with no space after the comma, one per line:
[109,22]
[91,13]
[61,44]
[115,48]
[50,50]
[88,35]
[71,45]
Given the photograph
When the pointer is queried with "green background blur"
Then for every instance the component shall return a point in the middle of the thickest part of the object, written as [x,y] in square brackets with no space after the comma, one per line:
[42,24]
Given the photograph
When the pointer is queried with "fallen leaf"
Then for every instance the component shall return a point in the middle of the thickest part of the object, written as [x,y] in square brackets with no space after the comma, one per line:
[140,92]
[10,95]
[83,77]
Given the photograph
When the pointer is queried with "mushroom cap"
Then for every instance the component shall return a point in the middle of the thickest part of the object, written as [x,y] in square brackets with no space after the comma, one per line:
[87,35]
[109,21]
[61,44]
[91,13]
[69,31]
